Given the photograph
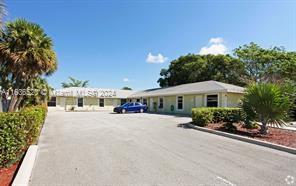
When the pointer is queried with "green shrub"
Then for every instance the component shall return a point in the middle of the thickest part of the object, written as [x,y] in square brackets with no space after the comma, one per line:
[18,130]
[201,117]
[205,115]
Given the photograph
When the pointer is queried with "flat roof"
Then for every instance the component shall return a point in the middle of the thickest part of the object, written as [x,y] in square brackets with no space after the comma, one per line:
[203,87]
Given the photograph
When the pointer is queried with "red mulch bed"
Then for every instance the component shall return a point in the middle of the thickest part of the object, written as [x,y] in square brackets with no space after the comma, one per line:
[7,174]
[275,135]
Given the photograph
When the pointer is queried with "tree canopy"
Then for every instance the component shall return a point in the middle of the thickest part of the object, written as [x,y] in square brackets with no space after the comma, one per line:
[249,63]
[26,53]
[194,68]
[267,65]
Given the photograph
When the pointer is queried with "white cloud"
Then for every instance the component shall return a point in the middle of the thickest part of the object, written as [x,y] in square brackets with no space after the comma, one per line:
[156,58]
[216,46]
[126,80]
[216,40]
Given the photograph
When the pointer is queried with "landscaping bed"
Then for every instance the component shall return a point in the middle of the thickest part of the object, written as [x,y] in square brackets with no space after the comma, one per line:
[275,135]
[18,130]
[7,174]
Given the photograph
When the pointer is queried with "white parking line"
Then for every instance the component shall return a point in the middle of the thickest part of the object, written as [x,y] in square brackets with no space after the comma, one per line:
[226,181]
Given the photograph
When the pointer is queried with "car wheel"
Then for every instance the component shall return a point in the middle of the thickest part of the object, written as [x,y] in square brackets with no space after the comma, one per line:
[123,111]
[142,110]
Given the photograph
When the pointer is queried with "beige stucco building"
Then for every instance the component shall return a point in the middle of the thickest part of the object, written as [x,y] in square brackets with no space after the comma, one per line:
[178,99]
[87,99]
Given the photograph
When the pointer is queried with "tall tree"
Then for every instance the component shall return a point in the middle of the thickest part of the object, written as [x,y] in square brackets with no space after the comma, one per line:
[194,68]
[267,65]
[75,83]
[26,52]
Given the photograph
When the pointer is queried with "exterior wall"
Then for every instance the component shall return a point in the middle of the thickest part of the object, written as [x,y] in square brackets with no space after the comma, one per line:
[188,104]
[89,103]
[191,101]
[168,102]
[233,99]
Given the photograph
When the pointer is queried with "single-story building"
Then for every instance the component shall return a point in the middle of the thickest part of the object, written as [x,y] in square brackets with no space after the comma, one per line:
[177,99]
[79,98]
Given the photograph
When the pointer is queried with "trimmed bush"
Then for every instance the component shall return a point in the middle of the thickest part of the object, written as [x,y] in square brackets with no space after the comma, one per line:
[203,116]
[18,130]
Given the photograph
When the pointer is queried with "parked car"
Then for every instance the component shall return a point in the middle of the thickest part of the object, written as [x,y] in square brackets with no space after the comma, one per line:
[131,107]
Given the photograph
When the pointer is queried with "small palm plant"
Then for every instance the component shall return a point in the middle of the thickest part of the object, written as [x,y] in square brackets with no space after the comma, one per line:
[266,103]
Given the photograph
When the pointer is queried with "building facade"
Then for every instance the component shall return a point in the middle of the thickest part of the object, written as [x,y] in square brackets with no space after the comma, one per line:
[87,99]
[182,98]
[176,100]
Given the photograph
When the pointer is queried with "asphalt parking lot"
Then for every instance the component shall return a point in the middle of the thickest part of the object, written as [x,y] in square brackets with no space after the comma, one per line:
[102,148]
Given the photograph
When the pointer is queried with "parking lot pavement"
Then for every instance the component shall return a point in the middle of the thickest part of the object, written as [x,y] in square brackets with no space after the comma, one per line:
[101,148]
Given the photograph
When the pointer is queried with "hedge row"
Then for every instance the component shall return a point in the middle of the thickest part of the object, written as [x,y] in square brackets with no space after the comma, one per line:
[203,116]
[18,130]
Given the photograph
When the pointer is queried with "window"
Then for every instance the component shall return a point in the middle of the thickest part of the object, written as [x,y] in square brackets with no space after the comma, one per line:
[122,101]
[137,104]
[138,100]
[180,102]
[160,103]
[52,102]
[144,101]
[212,100]
[80,102]
[101,102]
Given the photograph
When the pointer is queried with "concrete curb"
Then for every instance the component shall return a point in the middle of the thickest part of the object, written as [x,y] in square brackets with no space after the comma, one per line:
[24,173]
[245,139]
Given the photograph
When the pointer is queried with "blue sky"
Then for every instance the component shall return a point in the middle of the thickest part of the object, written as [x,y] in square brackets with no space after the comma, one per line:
[114,43]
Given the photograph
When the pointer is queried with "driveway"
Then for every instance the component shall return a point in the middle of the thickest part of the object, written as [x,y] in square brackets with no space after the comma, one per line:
[100,148]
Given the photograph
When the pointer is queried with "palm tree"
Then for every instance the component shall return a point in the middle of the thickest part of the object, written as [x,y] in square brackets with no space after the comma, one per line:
[75,83]
[267,104]
[26,53]
[40,92]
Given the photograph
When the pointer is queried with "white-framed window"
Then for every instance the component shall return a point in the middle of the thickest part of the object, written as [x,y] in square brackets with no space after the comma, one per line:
[160,103]
[138,100]
[212,100]
[101,102]
[144,101]
[180,102]
[80,102]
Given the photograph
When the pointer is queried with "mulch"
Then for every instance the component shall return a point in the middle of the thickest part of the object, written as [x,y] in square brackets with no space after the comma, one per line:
[7,174]
[275,135]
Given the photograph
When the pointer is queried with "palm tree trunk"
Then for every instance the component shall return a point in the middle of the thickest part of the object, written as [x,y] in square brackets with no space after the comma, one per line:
[263,128]
[17,104]
[12,103]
